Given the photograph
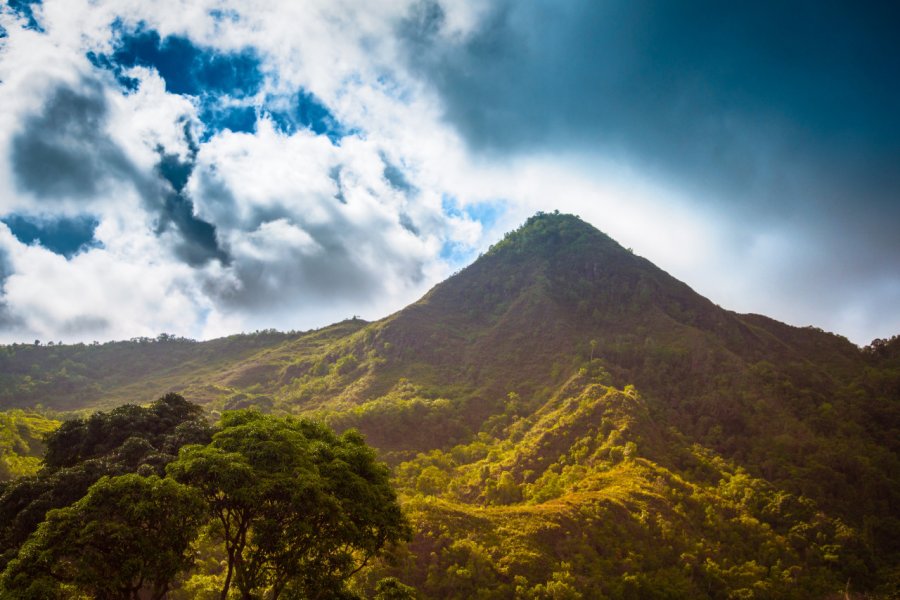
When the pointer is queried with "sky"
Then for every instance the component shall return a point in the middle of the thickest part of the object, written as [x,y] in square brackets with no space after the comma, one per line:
[207,167]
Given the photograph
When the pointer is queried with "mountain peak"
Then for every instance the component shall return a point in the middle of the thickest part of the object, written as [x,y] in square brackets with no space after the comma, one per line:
[559,280]
[551,232]
[558,256]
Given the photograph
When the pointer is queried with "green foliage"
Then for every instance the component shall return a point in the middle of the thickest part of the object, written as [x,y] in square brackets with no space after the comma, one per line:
[22,442]
[391,588]
[127,538]
[68,377]
[404,418]
[757,459]
[291,508]
[298,508]
[129,439]
[128,429]
[636,513]
[561,586]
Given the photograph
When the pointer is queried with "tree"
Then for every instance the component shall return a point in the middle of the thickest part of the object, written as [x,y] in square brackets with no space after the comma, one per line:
[124,440]
[227,482]
[299,508]
[126,539]
[391,588]
[102,433]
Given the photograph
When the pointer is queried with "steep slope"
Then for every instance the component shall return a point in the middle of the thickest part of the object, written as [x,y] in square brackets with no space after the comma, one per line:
[477,368]
[592,496]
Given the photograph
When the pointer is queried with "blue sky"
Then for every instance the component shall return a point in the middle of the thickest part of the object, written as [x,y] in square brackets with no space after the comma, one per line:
[227,167]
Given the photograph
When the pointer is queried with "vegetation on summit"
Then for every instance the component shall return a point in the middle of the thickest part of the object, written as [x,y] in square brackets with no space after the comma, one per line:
[564,420]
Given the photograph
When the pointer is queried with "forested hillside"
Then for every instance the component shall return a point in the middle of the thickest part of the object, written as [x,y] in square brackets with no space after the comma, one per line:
[566,420]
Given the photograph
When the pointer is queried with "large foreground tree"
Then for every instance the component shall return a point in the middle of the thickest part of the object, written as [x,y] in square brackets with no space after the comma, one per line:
[126,539]
[298,508]
[127,439]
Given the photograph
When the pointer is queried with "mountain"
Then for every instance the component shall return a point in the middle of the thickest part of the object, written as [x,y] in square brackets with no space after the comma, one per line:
[567,420]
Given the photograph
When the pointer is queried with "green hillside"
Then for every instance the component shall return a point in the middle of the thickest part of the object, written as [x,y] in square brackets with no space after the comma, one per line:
[567,420]
[21,442]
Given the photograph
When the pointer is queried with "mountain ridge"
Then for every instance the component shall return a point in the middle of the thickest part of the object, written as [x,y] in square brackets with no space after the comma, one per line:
[561,375]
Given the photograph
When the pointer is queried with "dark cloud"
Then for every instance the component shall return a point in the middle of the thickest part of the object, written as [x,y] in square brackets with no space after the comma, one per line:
[5,266]
[335,175]
[332,275]
[175,170]
[84,324]
[398,180]
[197,243]
[63,235]
[278,272]
[408,224]
[775,114]
[689,85]
[396,177]
[706,89]
[289,275]
[64,152]
[8,320]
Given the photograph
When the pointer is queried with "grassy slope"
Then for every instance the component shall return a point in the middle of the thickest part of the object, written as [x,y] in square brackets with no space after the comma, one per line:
[76,377]
[21,442]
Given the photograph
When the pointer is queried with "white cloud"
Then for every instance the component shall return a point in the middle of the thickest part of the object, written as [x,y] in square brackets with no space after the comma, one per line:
[149,118]
[314,231]
[96,294]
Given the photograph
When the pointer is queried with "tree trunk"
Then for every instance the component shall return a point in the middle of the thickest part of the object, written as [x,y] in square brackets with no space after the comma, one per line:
[228,574]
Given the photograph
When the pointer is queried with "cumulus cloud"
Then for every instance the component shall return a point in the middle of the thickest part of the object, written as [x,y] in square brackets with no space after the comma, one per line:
[235,173]
[64,153]
[308,222]
[95,293]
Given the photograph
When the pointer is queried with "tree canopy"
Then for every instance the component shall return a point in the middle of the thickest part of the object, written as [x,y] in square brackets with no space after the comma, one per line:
[298,508]
[127,439]
[127,538]
[295,508]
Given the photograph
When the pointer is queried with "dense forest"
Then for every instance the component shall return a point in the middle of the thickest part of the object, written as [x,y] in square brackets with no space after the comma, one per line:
[562,419]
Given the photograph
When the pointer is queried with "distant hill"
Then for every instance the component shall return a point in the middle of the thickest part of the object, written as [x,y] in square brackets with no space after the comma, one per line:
[566,418]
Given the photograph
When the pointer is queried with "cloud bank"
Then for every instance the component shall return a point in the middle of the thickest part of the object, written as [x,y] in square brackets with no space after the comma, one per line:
[217,166]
